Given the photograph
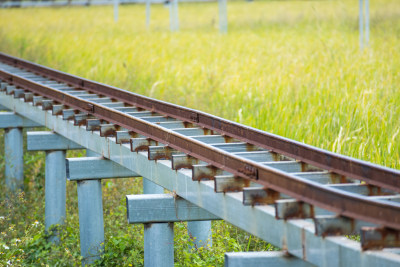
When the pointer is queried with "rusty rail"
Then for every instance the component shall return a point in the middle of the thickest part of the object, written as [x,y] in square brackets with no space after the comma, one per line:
[346,204]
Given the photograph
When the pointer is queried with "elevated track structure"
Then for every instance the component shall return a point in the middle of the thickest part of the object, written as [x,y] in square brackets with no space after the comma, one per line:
[297,197]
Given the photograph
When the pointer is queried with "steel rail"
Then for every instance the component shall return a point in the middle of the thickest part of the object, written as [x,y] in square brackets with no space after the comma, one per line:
[343,165]
[346,204]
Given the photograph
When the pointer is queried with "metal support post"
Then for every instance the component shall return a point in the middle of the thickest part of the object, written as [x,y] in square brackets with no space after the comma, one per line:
[88,172]
[55,180]
[200,233]
[223,16]
[158,237]
[91,224]
[173,15]
[55,192]
[364,23]
[14,159]
[159,244]
[148,13]
[13,148]
[116,6]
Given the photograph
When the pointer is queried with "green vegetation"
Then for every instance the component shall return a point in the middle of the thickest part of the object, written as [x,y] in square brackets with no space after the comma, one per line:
[292,68]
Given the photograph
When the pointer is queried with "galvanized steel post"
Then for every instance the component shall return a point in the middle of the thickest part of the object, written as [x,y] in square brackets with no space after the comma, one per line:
[173,15]
[200,233]
[148,13]
[158,237]
[364,23]
[55,192]
[91,224]
[55,180]
[361,22]
[223,16]
[14,159]
[116,6]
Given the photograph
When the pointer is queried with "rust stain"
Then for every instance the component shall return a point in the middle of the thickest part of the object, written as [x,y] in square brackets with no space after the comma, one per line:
[141,148]
[183,166]
[275,156]
[108,132]
[303,166]
[250,147]
[343,179]
[337,230]
[160,155]
[232,188]
[133,134]
[188,124]
[269,197]
[228,139]
[388,238]
[298,211]
[207,131]
[209,175]
[57,113]
[375,191]
[236,185]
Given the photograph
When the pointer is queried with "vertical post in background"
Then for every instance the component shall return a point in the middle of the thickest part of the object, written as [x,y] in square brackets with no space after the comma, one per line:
[158,237]
[366,22]
[201,232]
[223,16]
[173,15]
[148,13]
[55,192]
[91,223]
[361,22]
[116,6]
[14,159]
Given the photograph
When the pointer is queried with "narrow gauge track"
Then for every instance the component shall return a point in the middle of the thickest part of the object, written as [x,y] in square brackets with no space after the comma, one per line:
[214,148]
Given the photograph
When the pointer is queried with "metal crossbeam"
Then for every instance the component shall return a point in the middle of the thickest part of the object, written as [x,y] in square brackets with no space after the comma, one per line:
[12,120]
[87,168]
[153,208]
[45,140]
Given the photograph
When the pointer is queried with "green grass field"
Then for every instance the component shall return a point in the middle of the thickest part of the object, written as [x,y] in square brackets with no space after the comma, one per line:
[293,68]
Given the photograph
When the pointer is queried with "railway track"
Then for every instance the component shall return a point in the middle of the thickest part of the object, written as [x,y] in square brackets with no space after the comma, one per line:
[300,180]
